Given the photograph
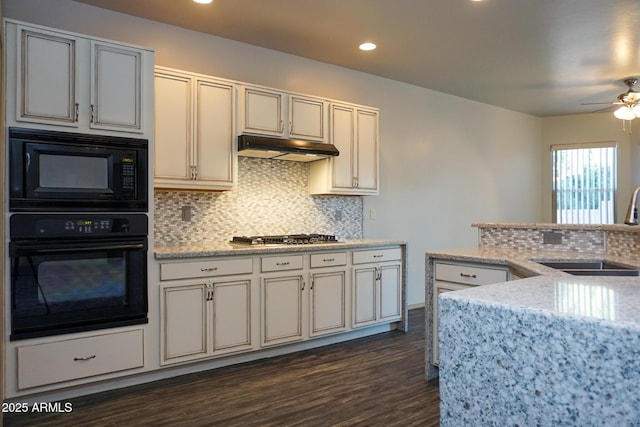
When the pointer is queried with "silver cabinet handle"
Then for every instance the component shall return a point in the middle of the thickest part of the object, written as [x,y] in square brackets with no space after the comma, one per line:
[77,112]
[283,263]
[209,295]
[83,358]
[209,269]
[328,259]
[378,256]
[92,114]
[470,276]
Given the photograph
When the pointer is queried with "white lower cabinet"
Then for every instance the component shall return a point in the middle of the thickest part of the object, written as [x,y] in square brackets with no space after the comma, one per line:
[206,319]
[328,294]
[282,309]
[206,308]
[223,305]
[377,286]
[456,276]
[70,359]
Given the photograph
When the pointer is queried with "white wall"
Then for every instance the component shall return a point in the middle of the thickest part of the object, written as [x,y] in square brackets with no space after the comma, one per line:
[445,162]
[601,127]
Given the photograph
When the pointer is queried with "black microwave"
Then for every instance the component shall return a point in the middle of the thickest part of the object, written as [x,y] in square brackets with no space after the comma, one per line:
[63,171]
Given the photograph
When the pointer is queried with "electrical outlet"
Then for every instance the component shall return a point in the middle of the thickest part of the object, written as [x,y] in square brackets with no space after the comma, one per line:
[551,238]
[186,213]
[338,214]
[372,213]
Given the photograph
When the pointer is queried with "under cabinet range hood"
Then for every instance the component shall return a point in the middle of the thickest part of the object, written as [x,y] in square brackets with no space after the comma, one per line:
[284,149]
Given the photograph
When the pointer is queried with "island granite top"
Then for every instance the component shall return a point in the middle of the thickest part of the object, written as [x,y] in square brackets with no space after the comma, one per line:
[213,249]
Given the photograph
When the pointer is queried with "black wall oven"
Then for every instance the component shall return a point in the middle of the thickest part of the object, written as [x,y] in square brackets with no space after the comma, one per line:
[77,272]
[61,171]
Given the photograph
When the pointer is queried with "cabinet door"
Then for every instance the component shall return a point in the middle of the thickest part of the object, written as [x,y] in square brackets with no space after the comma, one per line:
[262,112]
[47,83]
[439,288]
[328,302]
[214,138]
[390,292]
[367,152]
[173,125]
[184,322]
[364,296]
[116,94]
[232,316]
[342,136]
[282,309]
[307,118]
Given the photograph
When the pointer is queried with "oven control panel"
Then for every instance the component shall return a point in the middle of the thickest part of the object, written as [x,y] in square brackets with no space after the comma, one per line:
[70,225]
[80,226]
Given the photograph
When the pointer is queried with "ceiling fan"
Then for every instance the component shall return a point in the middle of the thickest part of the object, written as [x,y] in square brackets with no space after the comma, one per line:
[628,102]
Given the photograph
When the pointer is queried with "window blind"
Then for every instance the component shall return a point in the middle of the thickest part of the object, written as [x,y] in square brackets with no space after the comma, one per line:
[584,183]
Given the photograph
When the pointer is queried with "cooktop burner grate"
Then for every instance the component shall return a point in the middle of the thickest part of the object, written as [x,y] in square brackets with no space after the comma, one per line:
[286,239]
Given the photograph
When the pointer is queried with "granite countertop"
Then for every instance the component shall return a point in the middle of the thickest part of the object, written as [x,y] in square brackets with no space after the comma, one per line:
[212,249]
[554,349]
[550,226]
[525,261]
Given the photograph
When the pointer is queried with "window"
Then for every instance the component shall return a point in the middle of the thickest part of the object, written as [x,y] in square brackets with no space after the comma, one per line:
[584,183]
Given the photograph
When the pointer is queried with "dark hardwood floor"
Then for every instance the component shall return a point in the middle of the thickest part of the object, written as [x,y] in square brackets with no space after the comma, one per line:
[373,381]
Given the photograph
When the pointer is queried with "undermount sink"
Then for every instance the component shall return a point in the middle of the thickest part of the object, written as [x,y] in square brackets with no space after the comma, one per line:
[592,268]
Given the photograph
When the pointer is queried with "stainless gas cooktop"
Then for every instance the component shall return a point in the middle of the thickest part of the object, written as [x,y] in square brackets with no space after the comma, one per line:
[285,239]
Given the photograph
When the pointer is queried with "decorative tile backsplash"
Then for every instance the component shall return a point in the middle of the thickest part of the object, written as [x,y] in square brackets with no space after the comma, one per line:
[271,198]
[592,241]
[623,244]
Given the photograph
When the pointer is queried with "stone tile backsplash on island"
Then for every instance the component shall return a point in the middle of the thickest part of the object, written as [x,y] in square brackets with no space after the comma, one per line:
[610,239]
[271,198]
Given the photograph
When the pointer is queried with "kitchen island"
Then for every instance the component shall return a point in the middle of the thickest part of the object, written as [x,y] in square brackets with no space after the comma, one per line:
[541,347]
[548,350]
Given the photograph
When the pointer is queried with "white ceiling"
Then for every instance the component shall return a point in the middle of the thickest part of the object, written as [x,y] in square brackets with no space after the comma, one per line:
[542,57]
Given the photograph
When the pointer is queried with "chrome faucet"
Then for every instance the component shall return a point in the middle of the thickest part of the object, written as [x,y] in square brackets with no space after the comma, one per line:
[632,212]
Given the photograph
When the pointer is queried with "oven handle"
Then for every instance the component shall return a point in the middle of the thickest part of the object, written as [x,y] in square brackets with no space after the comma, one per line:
[18,248]
[81,249]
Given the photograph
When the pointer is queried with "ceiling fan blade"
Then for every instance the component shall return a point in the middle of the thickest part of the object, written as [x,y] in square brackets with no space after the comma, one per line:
[598,103]
[604,109]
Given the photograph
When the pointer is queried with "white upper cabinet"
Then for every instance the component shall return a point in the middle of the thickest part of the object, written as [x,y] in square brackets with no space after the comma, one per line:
[63,79]
[354,132]
[307,118]
[47,87]
[263,111]
[115,87]
[195,145]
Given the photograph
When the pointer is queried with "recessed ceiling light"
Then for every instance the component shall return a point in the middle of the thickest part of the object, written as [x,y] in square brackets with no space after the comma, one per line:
[367,46]
[203,1]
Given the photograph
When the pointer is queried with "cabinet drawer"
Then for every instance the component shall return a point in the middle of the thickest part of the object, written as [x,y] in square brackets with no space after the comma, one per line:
[214,267]
[66,360]
[281,263]
[377,255]
[469,274]
[329,259]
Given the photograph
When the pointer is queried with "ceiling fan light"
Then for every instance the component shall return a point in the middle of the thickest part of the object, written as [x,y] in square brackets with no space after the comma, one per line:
[624,113]
[636,110]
